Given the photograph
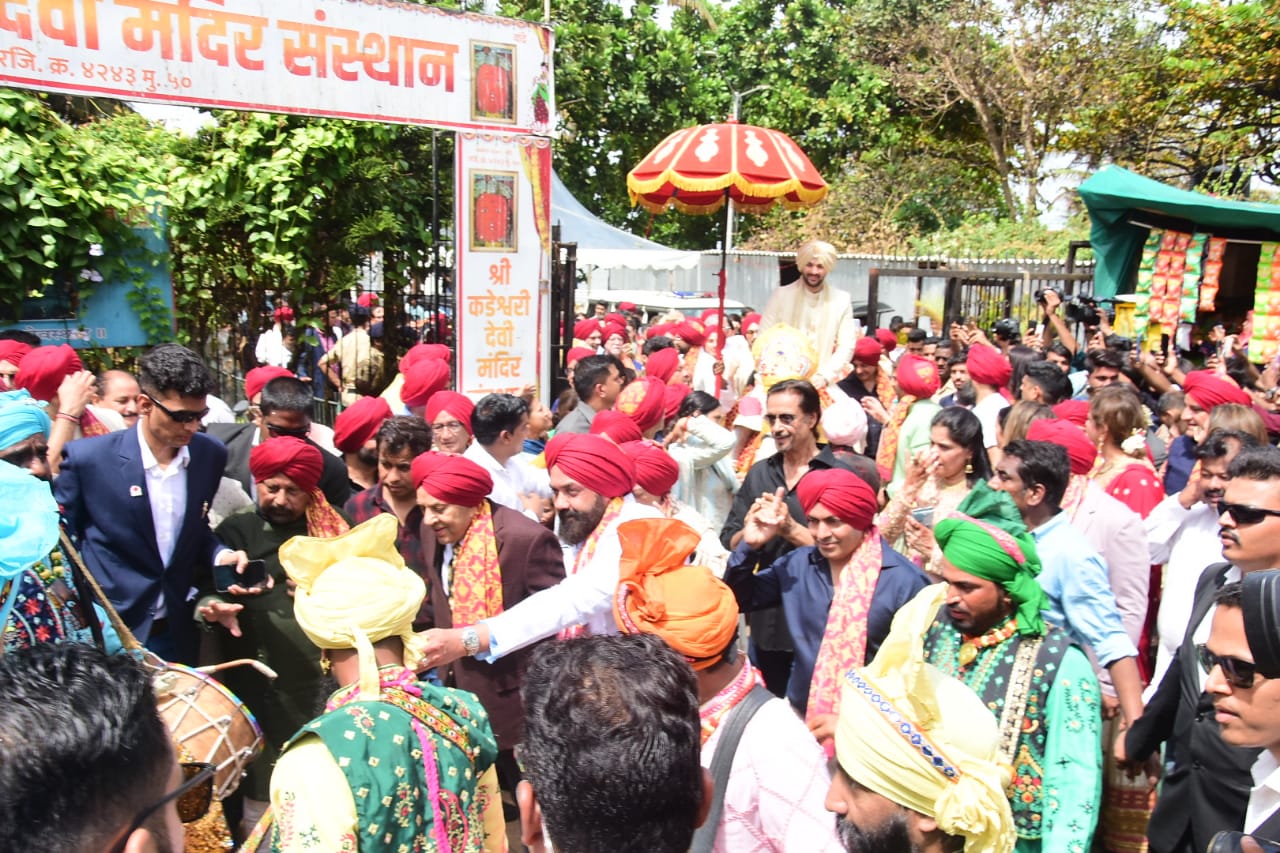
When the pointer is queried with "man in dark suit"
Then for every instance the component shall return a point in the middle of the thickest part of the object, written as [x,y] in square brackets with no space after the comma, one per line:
[285,405]
[137,502]
[1207,789]
[483,558]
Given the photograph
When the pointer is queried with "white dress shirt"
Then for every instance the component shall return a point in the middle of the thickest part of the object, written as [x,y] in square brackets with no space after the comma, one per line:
[1264,799]
[509,480]
[167,494]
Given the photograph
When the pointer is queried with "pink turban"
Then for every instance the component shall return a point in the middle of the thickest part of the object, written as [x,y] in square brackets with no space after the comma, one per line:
[752,319]
[422,380]
[359,422]
[1080,450]
[367,300]
[458,405]
[656,471]
[672,398]
[845,422]
[867,350]
[283,314]
[583,329]
[255,380]
[1204,386]
[663,364]
[1075,411]
[593,462]
[888,340]
[616,427]
[917,376]
[451,478]
[14,351]
[988,366]
[709,318]
[43,369]
[642,401]
[843,492]
[294,458]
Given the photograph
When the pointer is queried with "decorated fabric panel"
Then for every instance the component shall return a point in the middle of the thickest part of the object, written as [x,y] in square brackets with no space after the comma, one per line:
[1168,290]
[1265,343]
[1214,253]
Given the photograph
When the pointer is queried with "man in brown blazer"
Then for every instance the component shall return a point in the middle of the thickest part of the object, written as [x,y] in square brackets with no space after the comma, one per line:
[481,558]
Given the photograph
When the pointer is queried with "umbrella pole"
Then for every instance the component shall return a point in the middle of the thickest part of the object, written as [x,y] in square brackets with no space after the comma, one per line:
[724,260]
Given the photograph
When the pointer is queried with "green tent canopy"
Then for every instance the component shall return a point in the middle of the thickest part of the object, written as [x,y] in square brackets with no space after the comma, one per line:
[1115,196]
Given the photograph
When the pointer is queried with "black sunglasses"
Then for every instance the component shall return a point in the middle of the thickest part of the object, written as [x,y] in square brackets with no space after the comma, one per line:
[1245,514]
[1239,673]
[286,432]
[194,797]
[786,418]
[181,416]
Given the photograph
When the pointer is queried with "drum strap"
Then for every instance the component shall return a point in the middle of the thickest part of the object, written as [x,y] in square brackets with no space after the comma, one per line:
[259,833]
[127,639]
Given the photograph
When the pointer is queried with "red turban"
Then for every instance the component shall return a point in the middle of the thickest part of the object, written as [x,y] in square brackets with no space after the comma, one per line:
[1080,450]
[458,405]
[583,329]
[988,366]
[359,422]
[1075,411]
[367,300]
[709,318]
[752,319]
[13,351]
[672,398]
[656,471]
[615,317]
[659,330]
[1204,386]
[643,401]
[888,340]
[867,350]
[843,492]
[577,354]
[917,376]
[43,369]
[294,458]
[611,329]
[421,352]
[283,314]
[422,380]
[616,427]
[255,380]
[451,478]
[690,332]
[663,364]
[593,462]
[626,306]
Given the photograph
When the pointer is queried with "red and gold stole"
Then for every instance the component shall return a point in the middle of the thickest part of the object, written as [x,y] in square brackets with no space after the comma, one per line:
[477,579]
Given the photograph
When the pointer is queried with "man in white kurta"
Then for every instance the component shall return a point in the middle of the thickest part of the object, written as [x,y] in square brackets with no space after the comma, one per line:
[822,313]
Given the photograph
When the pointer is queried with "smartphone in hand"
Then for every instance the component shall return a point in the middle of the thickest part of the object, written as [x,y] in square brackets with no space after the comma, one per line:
[225,576]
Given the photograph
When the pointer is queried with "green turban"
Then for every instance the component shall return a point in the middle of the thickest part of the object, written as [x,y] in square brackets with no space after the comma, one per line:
[987,539]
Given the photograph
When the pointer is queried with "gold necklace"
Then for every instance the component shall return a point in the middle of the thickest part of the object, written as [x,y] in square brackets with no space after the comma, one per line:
[994,637]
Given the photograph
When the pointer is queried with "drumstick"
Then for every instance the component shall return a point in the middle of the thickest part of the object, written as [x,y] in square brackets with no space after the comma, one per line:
[256,664]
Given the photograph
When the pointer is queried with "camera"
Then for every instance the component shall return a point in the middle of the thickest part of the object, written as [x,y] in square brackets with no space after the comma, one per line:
[1007,329]
[1039,294]
[1229,842]
[1084,310]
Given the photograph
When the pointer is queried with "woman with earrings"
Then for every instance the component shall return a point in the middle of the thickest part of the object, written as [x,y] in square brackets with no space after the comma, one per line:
[1118,424]
[937,479]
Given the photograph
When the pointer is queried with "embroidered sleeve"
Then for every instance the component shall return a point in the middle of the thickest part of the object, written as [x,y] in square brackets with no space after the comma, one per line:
[1073,757]
[311,802]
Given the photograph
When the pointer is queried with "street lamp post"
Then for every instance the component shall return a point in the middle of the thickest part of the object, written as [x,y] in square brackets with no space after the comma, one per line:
[733,116]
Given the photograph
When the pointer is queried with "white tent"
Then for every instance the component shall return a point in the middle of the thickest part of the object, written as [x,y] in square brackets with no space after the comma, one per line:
[601,246]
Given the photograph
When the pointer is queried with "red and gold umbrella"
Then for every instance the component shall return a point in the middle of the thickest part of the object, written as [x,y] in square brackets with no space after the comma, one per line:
[698,169]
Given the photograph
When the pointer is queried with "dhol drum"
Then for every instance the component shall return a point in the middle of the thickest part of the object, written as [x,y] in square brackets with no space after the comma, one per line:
[207,721]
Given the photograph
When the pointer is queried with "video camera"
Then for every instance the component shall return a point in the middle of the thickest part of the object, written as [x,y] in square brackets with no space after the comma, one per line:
[1078,309]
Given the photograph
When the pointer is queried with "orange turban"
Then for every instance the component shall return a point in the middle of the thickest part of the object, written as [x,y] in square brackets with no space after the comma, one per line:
[1080,450]
[592,461]
[988,366]
[255,380]
[423,379]
[458,405]
[656,470]
[451,478]
[359,422]
[642,401]
[693,612]
[843,492]
[616,427]
[917,376]
[43,369]
[663,364]
[1204,386]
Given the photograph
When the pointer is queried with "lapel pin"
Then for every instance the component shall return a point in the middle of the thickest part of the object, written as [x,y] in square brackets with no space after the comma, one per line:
[135,491]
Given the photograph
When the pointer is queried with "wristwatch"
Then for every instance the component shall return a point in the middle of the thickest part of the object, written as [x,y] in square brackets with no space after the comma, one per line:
[471,641]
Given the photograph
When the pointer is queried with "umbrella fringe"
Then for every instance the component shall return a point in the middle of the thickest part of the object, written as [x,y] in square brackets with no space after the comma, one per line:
[805,196]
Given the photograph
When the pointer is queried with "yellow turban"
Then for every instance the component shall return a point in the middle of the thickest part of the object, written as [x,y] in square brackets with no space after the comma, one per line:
[694,612]
[354,590]
[894,738]
[816,250]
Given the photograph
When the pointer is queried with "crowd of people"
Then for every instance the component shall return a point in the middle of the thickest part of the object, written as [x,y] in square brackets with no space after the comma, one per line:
[757,583]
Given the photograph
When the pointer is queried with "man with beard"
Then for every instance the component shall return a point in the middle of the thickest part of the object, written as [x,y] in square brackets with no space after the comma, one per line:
[1207,789]
[286,473]
[961,393]
[918,766]
[355,436]
[823,314]
[1182,533]
[1029,674]
[401,439]
[485,558]
[792,413]
[592,482]
[868,381]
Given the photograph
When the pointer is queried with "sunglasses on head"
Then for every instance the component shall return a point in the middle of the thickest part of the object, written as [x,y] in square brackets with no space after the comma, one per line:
[193,796]
[1245,514]
[180,416]
[1239,673]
